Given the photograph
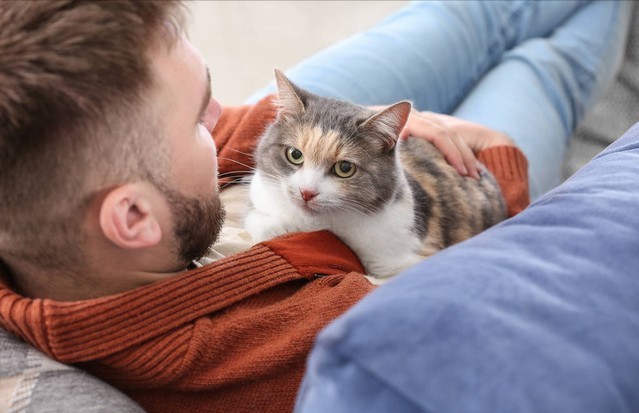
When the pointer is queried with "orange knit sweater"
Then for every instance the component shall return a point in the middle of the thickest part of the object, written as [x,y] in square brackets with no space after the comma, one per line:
[232,336]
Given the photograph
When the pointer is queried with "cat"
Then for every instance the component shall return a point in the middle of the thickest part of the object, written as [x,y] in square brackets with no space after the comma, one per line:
[330,164]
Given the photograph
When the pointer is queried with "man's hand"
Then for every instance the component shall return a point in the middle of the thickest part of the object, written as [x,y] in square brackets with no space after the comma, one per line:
[457,139]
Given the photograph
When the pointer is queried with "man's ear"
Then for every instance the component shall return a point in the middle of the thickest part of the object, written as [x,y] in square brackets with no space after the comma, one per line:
[128,219]
[289,100]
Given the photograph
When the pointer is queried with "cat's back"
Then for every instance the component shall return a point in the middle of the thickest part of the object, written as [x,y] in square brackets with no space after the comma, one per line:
[448,207]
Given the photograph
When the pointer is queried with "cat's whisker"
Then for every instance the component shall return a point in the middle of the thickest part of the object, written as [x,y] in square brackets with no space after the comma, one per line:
[237,181]
[251,168]
[364,209]
[243,153]
[348,208]
[237,162]
[236,178]
[227,185]
[270,178]
[235,173]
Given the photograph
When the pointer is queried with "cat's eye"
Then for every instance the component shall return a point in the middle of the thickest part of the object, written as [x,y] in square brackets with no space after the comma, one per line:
[294,156]
[344,169]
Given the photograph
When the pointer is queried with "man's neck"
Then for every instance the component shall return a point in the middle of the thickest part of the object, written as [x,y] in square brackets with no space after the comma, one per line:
[27,281]
[32,282]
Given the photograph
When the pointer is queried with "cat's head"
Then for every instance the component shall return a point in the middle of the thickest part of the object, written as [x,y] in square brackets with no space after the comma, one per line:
[326,156]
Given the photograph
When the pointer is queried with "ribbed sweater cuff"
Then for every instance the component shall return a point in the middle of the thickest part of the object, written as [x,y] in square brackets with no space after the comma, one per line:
[510,167]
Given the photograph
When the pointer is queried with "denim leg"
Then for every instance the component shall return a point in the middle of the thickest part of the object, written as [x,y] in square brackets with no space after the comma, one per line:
[540,90]
[431,53]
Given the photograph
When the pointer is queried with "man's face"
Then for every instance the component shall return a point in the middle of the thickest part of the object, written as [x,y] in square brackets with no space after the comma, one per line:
[187,112]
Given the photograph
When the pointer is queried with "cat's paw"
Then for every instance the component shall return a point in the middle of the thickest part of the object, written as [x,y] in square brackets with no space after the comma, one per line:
[264,227]
[382,269]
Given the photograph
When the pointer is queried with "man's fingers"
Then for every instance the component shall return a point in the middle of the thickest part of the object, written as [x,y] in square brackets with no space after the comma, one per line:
[468,157]
[452,154]
[427,126]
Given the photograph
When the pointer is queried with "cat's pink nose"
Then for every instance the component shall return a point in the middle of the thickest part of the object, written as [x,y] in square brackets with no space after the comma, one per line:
[307,195]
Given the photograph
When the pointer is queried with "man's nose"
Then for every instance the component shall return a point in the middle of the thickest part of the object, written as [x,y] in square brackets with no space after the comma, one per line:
[212,114]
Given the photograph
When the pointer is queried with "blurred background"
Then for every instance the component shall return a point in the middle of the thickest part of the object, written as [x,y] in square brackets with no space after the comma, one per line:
[242,41]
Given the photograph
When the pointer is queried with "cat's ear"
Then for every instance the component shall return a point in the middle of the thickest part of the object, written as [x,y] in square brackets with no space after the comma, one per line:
[389,123]
[289,100]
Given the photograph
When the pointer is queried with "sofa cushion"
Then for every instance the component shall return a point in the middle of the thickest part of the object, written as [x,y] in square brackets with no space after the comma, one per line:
[538,314]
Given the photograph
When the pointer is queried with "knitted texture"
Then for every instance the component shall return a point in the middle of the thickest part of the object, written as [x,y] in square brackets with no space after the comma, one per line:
[510,167]
[232,334]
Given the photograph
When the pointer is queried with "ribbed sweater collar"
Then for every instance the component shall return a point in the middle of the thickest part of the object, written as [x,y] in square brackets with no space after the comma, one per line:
[83,330]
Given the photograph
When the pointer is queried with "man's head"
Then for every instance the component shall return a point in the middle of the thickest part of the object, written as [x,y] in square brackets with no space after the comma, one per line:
[104,148]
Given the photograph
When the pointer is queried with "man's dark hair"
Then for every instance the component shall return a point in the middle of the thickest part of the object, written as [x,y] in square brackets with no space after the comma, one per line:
[74,77]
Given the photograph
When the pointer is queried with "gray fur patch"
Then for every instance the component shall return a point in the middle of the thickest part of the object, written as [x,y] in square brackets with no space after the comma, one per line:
[422,208]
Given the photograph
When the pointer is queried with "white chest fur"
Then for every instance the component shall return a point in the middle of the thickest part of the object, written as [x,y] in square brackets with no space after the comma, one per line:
[384,241]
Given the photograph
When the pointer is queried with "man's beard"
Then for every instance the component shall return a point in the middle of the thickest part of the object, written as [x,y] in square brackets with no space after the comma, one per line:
[197,223]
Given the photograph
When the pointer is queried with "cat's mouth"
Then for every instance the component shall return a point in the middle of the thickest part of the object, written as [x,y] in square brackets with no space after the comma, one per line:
[308,208]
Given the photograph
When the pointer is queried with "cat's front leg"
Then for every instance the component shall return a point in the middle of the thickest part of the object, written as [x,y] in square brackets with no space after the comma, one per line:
[263,227]
[384,268]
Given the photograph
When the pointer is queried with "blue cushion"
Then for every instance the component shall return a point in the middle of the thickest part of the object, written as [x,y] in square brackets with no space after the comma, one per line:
[538,314]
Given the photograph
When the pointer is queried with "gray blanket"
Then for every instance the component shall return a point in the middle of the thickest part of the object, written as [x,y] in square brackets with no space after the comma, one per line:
[32,382]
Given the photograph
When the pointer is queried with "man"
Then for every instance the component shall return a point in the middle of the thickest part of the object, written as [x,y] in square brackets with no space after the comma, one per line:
[111,103]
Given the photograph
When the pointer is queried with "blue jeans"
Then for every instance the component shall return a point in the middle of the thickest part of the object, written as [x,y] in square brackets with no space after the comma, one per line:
[530,69]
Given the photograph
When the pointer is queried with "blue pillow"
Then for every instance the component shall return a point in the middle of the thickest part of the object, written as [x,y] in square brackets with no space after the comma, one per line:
[538,314]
